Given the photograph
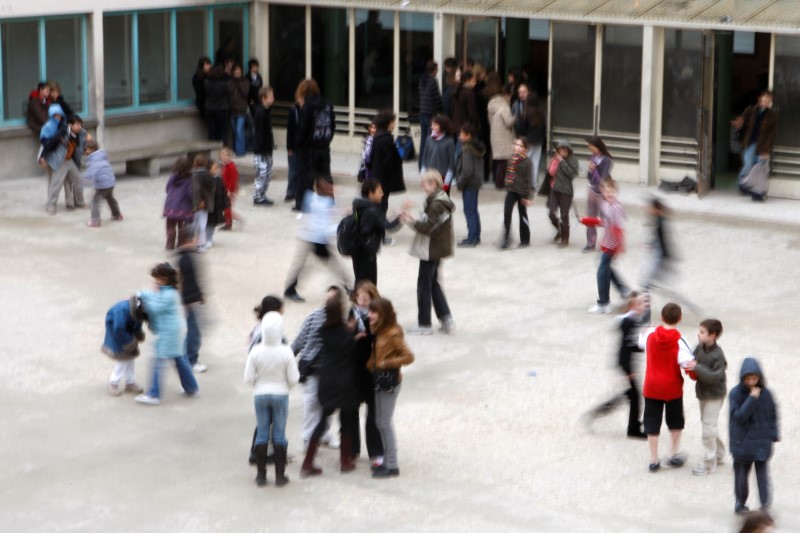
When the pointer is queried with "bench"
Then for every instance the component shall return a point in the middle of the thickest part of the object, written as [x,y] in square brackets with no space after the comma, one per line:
[146,160]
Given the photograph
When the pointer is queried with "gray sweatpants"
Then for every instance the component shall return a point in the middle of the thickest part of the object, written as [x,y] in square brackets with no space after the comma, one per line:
[67,171]
[384,419]
[108,196]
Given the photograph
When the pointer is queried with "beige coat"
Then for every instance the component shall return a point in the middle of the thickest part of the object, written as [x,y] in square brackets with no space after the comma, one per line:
[501,127]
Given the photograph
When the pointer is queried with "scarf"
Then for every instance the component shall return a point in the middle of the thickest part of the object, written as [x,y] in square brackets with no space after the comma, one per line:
[511,170]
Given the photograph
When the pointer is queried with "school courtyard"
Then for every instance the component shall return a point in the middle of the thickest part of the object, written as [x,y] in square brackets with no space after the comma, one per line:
[489,418]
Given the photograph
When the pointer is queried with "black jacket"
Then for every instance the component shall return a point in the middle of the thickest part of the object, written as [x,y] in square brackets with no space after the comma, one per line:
[264,142]
[372,225]
[338,376]
[469,165]
[291,127]
[304,137]
[753,423]
[629,326]
[430,98]
[190,287]
[386,165]
[217,94]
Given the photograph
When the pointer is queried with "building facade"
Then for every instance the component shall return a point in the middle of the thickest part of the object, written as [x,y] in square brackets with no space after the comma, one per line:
[660,80]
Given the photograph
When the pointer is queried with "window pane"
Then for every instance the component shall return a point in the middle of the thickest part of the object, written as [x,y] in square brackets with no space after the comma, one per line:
[482,42]
[683,74]
[118,61]
[621,85]
[191,42]
[573,76]
[374,58]
[329,55]
[787,89]
[416,48]
[64,54]
[154,62]
[21,66]
[229,34]
[287,49]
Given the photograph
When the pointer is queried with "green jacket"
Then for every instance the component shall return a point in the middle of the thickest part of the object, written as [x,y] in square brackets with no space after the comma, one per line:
[567,171]
[710,371]
[522,181]
[469,165]
[434,239]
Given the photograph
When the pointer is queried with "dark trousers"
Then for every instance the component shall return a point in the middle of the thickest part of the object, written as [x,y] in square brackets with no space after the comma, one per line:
[424,133]
[311,163]
[173,227]
[218,123]
[429,290]
[374,442]
[741,471]
[348,420]
[365,266]
[385,202]
[558,204]
[193,336]
[513,198]
[500,166]
[633,396]
[470,197]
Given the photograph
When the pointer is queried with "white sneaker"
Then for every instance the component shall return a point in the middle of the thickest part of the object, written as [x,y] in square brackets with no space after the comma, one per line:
[703,469]
[149,400]
[199,368]
[420,330]
[448,325]
[598,309]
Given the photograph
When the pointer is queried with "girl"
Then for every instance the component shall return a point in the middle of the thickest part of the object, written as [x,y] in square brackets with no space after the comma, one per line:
[272,371]
[530,123]
[167,320]
[613,243]
[123,335]
[440,150]
[600,164]
[469,180]
[364,172]
[178,205]
[389,353]
[561,192]
[230,178]
[518,185]
[501,127]
[202,198]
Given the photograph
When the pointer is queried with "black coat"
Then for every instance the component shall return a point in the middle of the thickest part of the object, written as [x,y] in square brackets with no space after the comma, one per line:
[217,94]
[753,422]
[304,135]
[337,370]
[430,98]
[265,141]
[386,165]
[372,225]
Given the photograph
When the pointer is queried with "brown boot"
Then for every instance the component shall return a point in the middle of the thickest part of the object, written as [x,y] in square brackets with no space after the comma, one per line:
[261,465]
[346,455]
[280,466]
[308,468]
[564,237]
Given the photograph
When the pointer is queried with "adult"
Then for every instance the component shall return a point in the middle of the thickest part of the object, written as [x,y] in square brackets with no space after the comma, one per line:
[372,226]
[432,243]
[451,83]
[465,104]
[239,92]
[482,102]
[198,82]
[62,147]
[430,103]
[217,103]
[501,128]
[315,129]
[38,104]
[760,126]
[514,79]
[387,167]
[529,122]
[600,165]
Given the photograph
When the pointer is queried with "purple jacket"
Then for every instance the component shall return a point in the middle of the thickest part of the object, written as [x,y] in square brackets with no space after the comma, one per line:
[179,198]
[603,165]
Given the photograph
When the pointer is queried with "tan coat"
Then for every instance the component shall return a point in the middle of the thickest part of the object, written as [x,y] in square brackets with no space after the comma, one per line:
[501,127]
[390,351]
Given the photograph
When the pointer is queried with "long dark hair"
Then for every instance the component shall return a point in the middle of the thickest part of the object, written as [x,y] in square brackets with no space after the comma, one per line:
[494,85]
[533,111]
[598,143]
[334,314]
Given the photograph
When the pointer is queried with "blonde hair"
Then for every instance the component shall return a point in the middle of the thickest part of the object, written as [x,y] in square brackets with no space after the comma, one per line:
[432,176]
[226,151]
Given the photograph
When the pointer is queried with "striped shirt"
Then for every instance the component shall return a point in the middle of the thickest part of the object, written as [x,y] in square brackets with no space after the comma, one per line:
[308,342]
[613,216]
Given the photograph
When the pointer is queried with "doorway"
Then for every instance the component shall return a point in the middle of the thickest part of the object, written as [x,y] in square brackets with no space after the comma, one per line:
[477,39]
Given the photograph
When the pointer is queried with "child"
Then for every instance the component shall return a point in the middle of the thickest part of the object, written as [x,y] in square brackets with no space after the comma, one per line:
[629,326]
[663,386]
[372,227]
[440,151]
[230,178]
[559,199]
[708,369]
[99,173]
[272,370]
[178,205]
[192,297]
[202,198]
[263,146]
[469,180]
[612,219]
[292,123]
[216,215]
[518,185]
[165,312]
[60,154]
[123,335]
[753,429]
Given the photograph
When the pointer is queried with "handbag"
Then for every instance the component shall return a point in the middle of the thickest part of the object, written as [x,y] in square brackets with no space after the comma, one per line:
[384,380]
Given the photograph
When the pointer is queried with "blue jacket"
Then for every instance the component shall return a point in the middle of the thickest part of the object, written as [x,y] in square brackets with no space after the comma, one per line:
[98,171]
[123,331]
[754,421]
[55,137]
[167,320]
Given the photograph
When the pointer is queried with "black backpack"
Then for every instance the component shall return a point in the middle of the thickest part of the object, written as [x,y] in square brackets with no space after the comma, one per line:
[324,123]
[347,235]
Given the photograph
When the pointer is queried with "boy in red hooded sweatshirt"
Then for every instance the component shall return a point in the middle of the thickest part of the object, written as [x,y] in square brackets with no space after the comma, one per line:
[663,385]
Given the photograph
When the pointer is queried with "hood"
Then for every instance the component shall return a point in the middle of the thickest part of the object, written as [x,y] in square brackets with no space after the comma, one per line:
[475,147]
[442,197]
[99,155]
[666,337]
[496,102]
[55,109]
[272,329]
[750,366]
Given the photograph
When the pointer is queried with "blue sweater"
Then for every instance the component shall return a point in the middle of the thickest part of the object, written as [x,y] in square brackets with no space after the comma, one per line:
[98,171]
[167,320]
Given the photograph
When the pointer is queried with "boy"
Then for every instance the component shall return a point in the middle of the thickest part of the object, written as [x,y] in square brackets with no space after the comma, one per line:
[230,178]
[262,147]
[469,180]
[99,173]
[62,146]
[708,369]
[192,297]
[372,226]
[663,386]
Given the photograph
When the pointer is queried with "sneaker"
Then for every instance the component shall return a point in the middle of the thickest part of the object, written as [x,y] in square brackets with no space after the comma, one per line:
[448,325]
[120,218]
[294,297]
[703,469]
[376,462]
[201,249]
[741,509]
[587,249]
[133,388]
[505,245]
[637,434]
[388,241]
[113,389]
[93,224]
[599,309]
[199,368]
[466,243]
[677,460]
[149,400]
[383,472]
[654,467]
[265,201]
[523,245]
[420,330]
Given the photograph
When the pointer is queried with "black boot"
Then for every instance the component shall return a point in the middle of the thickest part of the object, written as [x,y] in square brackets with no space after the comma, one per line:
[252,458]
[280,466]
[345,455]
[564,234]
[261,464]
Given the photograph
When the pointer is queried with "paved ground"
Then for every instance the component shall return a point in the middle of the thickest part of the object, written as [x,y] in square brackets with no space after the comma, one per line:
[484,445]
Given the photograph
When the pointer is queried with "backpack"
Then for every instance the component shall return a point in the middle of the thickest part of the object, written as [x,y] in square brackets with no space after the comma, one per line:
[405,147]
[324,124]
[347,235]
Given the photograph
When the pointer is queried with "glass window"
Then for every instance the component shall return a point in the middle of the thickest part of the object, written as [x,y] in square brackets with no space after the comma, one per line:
[21,66]
[329,57]
[573,76]
[287,50]
[683,75]
[118,60]
[374,58]
[64,56]
[229,35]
[787,90]
[621,84]
[482,42]
[192,45]
[416,48]
[155,80]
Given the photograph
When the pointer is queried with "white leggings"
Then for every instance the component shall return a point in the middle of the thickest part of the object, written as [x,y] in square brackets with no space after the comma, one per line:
[123,369]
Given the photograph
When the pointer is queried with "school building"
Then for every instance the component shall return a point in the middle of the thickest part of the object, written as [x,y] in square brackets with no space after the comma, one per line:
[659,80]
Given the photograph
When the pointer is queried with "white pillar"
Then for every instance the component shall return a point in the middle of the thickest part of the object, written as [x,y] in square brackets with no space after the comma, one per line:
[444,40]
[259,37]
[97,86]
[308,41]
[396,64]
[650,116]
[351,66]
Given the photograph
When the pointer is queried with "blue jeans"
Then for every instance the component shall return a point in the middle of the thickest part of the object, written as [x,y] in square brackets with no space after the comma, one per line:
[271,410]
[239,139]
[424,133]
[193,336]
[470,197]
[291,187]
[605,276]
[185,374]
[749,159]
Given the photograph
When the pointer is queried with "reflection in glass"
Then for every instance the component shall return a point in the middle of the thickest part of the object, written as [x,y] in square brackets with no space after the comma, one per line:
[621,84]
[64,55]
[329,56]
[287,50]
[191,42]
[482,42]
[416,48]
[154,61]
[374,58]
[21,66]
[787,90]
[117,61]
[683,65]
[573,76]
[229,35]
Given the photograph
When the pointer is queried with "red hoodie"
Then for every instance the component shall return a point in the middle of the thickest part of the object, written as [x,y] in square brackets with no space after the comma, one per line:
[662,378]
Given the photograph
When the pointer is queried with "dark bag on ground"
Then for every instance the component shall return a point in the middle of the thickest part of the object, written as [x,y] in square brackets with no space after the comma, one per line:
[386,380]
[685,186]
[347,235]
[405,147]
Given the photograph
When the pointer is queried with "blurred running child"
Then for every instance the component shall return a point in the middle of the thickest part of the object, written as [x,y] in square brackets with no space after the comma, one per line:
[178,206]
[123,335]
[230,178]
[192,297]
[99,173]
[216,216]
[202,198]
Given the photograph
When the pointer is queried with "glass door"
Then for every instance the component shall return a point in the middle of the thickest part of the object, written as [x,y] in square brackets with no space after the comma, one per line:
[478,41]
